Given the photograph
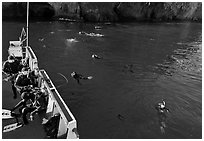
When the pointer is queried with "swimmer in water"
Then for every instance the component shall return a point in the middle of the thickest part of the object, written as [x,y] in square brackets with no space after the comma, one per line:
[128,68]
[79,76]
[161,107]
[120,117]
[95,56]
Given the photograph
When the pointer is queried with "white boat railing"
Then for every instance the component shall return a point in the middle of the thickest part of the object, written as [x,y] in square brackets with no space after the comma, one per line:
[56,105]
[32,59]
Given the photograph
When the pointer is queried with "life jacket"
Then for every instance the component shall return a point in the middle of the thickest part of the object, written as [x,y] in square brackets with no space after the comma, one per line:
[15,67]
[12,67]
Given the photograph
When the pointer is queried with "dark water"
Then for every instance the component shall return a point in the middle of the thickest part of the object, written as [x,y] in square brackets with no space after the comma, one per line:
[119,101]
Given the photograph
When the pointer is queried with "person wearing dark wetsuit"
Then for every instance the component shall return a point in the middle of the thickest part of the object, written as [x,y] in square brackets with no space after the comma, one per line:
[79,76]
[161,107]
[161,111]
[23,80]
[34,75]
[96,56]
[27,97]
[30,103]
[11,67]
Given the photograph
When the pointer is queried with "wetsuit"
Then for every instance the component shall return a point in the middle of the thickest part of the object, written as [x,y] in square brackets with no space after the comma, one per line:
[161,108]
[11,69]
[96,56]
[29,104]
[78,77]
[22,81]
[33,78]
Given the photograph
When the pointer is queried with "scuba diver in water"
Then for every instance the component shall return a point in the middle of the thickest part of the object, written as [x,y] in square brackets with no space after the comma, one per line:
[128,68]
[161,107]
[79,76]
[96,56]
[161,111]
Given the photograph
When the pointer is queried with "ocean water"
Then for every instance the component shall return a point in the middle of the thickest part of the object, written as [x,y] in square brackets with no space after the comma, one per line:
[142,63]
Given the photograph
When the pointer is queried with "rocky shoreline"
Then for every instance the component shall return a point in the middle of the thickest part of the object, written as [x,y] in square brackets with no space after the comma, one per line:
[105,11]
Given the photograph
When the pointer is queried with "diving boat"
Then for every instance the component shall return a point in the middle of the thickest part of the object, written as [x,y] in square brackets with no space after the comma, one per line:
[66,125]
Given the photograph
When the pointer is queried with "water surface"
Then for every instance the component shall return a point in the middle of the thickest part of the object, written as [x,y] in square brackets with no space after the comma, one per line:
[166,64]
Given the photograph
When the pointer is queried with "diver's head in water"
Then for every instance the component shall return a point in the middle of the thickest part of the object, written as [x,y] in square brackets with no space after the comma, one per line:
[161,107]
[73,73]
[95,56]
[24,71]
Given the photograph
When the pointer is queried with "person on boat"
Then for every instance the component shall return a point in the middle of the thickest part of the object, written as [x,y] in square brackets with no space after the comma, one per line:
[79,76]
[30,103]
[95,56]
[23,80]
[11,67]
[34,75]
[25,97]
[37,105]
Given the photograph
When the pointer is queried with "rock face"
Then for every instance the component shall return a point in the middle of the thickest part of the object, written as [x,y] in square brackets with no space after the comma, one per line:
[66,9]
[107,11]
[159,11]
[17,10]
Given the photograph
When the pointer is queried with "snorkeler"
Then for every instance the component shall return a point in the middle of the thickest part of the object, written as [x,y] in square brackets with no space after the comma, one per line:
[79,76]
[96,56]
[161,111]
[161,107]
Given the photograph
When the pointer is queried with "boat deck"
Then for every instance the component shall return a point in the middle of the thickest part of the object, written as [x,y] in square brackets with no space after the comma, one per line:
[34,130]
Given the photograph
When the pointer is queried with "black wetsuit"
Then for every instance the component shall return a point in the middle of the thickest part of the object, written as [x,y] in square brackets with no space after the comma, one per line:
[33,78]
[28,104]
[22,81]
[12,69]
[78,77]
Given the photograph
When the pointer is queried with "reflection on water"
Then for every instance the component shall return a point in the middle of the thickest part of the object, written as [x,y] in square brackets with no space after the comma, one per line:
[142,64]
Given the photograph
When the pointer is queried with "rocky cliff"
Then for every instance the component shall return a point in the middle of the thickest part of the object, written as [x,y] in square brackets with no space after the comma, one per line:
[107,11]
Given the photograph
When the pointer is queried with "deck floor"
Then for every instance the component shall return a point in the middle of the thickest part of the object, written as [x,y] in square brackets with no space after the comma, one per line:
[34,130]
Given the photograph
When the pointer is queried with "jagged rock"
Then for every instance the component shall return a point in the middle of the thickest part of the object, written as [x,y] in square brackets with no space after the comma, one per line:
[106,11]
[38,10]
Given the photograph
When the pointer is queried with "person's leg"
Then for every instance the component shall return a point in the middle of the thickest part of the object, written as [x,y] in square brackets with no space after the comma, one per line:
[78,81]
[14,90]
[24,112]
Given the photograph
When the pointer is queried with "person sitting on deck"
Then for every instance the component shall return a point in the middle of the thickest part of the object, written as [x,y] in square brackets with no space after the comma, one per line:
[34,75]
[11,68]
[23,80]
[79,76]
[31,103]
